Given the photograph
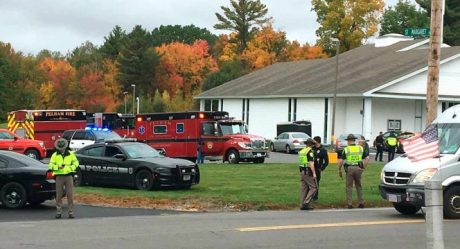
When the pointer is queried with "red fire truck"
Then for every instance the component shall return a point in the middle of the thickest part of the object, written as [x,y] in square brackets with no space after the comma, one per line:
[45,125]
[180,133]
[123,124]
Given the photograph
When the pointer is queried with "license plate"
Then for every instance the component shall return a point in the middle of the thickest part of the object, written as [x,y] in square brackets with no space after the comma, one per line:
[392,198]
[186,177]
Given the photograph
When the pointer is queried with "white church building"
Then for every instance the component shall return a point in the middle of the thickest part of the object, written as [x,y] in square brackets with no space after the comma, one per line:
[380,87]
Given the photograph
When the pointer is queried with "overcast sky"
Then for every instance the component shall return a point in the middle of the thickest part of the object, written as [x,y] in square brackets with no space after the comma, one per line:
[62,25]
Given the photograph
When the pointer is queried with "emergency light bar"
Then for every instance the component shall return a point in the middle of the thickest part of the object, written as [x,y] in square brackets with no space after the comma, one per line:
[88,128]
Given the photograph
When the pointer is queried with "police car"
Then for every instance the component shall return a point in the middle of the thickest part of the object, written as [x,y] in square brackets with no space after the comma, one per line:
[81,137]
[123,162]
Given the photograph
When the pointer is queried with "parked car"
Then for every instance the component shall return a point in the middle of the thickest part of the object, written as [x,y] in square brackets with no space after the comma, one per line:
[400,136]
[289,142]
[31,148]
[82,137]
[341,142]
[133,164]
[24,180]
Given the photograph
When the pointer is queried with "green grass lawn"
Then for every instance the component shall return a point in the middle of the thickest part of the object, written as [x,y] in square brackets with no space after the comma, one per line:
[258,187]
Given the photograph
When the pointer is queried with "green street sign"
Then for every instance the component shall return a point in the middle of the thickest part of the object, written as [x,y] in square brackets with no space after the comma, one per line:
[417,32]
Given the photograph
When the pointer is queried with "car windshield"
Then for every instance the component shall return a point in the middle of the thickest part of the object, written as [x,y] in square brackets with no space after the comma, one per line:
[140,150]
[449,137]
[232,128]
[300,135]
[105,135]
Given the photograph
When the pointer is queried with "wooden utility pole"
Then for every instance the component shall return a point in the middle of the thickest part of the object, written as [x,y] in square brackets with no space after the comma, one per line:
[434,59]
[433,187]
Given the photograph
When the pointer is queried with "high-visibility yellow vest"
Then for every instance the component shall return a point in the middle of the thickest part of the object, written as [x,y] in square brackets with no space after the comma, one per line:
[70,163]
[303,160]
[392,141]
[354,154]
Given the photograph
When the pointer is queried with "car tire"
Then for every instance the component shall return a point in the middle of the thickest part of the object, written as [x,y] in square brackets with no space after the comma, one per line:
[144,179]
[78,178]
[452,202]
[405,208]
[32,153]
[272,147]
[233,157]
[288,149]
[13,195]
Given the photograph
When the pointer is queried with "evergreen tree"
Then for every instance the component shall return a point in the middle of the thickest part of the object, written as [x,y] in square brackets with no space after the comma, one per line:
[184,34]
[404,15]
[113,43]
[228,71]
[241,18]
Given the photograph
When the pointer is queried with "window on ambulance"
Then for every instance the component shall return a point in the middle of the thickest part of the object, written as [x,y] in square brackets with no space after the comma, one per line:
[208,129]
[159,129]
[180,128]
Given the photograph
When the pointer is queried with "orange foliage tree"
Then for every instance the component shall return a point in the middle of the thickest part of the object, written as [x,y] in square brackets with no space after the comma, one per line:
[296,52]
[97,96]
[183,67]
[56,91]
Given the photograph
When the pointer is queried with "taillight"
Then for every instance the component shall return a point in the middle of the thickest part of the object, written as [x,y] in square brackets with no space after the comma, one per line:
[295,141]
[49,175]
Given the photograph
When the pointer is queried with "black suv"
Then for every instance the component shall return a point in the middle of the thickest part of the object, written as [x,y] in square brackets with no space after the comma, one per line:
[80,138]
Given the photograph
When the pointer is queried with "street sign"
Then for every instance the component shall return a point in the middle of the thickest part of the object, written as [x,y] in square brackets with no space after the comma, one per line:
[425,32]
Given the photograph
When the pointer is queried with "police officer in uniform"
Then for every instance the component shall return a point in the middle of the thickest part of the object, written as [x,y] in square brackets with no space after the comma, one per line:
[321,159]
[378,144]
[354,159]
[307,175]
[391,142]
[63,164]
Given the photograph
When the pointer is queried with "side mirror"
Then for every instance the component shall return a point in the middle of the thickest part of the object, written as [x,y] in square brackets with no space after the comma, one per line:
[276,138]
[120,156]
[162,152]
[15,138]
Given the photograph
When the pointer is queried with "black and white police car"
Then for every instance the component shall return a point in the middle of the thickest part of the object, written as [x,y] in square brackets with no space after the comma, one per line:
[124,162]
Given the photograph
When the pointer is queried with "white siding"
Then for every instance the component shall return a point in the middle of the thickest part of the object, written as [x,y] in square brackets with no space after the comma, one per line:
[312,109]
[448,82]
[234,107]
[264,114]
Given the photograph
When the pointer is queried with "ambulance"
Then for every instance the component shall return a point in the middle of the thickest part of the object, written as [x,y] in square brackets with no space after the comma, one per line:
[182,134]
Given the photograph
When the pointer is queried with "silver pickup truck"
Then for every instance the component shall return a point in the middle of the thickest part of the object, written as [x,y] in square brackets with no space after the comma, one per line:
[402,181]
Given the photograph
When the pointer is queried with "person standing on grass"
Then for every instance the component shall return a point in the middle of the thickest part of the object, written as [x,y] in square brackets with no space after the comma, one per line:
[354,159]
[308,184]
[63,164]
[321,160]
[378,144]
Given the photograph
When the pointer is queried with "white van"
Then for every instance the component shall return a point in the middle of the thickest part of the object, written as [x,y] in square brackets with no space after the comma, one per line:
[402,181]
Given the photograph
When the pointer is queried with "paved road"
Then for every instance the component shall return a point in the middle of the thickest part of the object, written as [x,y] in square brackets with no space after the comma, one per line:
[331,229]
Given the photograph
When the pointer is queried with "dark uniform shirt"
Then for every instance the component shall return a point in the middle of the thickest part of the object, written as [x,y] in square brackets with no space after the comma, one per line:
[321,158]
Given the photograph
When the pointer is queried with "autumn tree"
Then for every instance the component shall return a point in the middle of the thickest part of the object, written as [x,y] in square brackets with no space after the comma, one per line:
[137,61]
[85,55]
[403,15]
[451,31]
[113,43]
[228,71]
[297,52]
[240,18]
[350,21]
[183,67]
[187,34]
[8,76]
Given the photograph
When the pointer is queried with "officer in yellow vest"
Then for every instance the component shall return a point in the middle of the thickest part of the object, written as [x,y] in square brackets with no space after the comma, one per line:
[392,143]
[308,184]
[354,159]
[64,164]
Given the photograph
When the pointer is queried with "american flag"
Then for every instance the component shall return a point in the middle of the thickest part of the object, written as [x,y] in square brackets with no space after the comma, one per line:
[422,146]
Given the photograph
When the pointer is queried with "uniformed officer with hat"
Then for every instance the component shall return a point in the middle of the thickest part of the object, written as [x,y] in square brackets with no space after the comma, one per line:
[307,175]
[63,164]
[354,159]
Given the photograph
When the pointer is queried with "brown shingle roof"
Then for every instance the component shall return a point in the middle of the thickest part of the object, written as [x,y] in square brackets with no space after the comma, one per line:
[360,70]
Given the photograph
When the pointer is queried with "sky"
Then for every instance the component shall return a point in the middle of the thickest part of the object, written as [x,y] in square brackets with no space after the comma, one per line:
[62,25]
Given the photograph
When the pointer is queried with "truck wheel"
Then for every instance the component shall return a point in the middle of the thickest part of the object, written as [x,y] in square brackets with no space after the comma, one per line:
[259,160]
[13,195]
[144,179]
[233,157]
[32,154]
[405,208]
[452,203]
[288,149]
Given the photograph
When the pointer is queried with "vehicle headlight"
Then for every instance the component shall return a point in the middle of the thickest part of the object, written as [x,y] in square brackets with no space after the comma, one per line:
[42,144]
[244,145]
[424,175]
[382,176]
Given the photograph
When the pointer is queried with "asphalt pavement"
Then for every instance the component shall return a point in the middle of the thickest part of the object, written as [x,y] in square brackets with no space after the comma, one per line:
[329,229]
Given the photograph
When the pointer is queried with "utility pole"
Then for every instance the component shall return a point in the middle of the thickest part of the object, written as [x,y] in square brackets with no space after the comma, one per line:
[433,187]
